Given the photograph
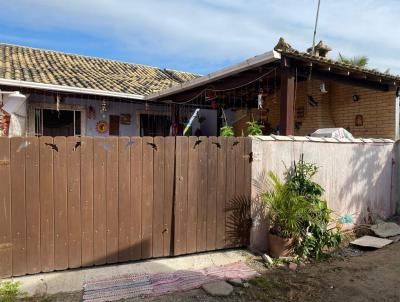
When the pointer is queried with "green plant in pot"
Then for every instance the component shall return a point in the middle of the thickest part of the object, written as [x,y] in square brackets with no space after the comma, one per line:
[254,128]
[286,211]
[317,238]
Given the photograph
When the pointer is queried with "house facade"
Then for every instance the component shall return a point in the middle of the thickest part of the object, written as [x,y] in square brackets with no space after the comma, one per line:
[289,92]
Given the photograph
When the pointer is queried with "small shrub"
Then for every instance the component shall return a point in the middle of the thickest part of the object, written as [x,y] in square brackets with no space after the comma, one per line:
[254,128]
[9,291]
[286,209]
[316,238]
[297,210]
[227,131]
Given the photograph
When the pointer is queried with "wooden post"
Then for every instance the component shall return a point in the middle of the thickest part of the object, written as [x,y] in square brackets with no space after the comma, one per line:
[287,99]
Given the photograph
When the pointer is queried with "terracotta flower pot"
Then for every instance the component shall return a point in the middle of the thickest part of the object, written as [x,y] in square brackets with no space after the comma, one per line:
[279,246]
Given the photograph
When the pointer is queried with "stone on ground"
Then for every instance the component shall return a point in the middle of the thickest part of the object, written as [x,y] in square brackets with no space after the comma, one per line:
[267,259]
[371,241]
[218,288]
[386,229]
[292,266]
[236,282]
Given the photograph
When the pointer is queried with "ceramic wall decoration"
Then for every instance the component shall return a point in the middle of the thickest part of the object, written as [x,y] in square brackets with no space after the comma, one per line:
[125,119]
[102,126]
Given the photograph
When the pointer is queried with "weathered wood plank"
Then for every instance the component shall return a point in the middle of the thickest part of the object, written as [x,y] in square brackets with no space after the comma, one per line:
[232,143]
[202,195]
[18,209]
[46,149]
[158,213]
[169,182]
[180,211]
[147,197]
[112,199]
[87,178]
[221,192]
[212,168]
[5,209]
[248,157]
[124,193]
[74,202]
[240,160]
[61,232]
[193,181]
[99,200]
[32,206]
[136,197]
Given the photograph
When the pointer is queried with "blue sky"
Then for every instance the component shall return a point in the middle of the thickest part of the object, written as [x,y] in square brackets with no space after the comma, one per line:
[202,35]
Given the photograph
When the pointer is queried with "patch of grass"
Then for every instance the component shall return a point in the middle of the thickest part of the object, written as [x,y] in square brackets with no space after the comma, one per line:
[10,291]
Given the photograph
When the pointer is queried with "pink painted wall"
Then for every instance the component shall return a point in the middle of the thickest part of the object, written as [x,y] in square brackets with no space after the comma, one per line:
[358,176]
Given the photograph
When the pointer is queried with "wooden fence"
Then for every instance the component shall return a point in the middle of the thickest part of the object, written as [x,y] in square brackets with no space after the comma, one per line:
[82,201]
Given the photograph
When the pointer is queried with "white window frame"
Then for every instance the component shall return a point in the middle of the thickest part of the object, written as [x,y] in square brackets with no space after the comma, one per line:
[67,107]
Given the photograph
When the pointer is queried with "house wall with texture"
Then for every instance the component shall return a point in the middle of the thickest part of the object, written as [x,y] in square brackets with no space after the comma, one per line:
[335,108]
[358,177]
[208,127]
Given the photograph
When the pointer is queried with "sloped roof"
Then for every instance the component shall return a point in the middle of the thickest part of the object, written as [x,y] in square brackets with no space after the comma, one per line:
[35,65]
[286,49]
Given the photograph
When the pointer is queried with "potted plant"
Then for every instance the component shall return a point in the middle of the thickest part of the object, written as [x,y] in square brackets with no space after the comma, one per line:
[286,210]
[254,128]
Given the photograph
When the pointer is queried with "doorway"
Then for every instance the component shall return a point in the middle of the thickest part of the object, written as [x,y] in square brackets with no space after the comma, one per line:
[154,125]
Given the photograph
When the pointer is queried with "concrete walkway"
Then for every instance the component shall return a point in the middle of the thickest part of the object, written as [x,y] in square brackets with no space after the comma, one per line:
[72,280]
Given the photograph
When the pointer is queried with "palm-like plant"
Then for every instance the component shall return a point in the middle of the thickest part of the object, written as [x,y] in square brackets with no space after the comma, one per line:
[359,61]
[286,209]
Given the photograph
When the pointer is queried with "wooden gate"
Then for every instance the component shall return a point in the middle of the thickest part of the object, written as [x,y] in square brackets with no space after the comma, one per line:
[82,201]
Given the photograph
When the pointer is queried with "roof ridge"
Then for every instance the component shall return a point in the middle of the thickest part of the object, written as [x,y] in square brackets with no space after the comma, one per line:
[90,57]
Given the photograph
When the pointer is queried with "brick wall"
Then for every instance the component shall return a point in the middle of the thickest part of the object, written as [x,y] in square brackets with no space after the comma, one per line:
[335,108]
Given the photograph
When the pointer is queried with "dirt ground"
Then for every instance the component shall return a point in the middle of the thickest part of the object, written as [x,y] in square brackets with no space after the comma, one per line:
[368,276]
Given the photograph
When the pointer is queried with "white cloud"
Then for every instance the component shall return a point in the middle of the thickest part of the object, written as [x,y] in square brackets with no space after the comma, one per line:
[205,34]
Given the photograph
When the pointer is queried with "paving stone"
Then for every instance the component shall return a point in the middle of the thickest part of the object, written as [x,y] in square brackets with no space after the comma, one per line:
[292,266]
[267,259]
[395,238]
[236,282]
[218,288]
[386,229]
[371,241]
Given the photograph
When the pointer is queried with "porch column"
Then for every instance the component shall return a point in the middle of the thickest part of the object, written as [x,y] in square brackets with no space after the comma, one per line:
[287,98]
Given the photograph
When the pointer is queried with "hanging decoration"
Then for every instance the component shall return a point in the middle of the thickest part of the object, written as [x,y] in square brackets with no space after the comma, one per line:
[210,95]
[101,126]
[5,123]
[103,108]
[214,104]
[359,120]
[311,101]
[125,119]
[260,99]
[91,113]
[58,103]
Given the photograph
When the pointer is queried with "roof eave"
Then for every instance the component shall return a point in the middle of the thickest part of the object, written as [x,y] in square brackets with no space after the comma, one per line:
[333,64]
[70,89]
[256,61]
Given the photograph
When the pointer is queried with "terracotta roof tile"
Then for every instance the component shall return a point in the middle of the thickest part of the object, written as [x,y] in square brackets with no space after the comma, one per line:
[57,68]
[286,49]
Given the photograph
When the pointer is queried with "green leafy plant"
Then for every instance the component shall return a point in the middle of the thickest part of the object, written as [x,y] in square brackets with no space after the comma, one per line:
[297,210]
[316,237]
[10,291]
[227,131]
[286,208]
[254,128]
[359,61]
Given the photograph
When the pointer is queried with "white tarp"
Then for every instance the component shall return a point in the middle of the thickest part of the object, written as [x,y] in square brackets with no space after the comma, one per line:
[332,132]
